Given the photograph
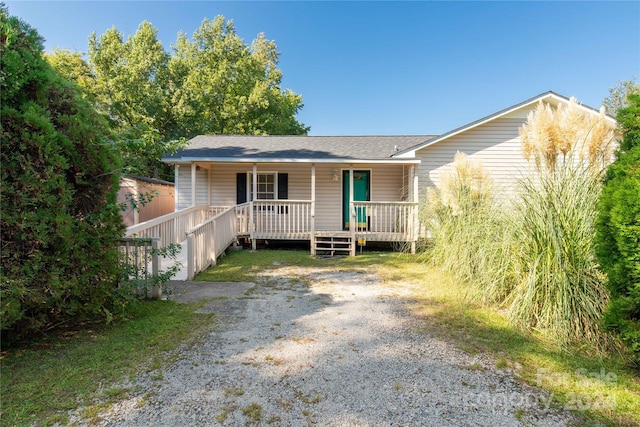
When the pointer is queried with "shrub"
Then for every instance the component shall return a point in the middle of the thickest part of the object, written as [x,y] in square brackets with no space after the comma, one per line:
[59,216]
[618,231]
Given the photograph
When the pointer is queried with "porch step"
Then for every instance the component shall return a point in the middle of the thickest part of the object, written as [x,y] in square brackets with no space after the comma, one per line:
[332,244]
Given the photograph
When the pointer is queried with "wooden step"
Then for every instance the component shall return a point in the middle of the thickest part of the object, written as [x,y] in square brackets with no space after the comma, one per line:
[328,244]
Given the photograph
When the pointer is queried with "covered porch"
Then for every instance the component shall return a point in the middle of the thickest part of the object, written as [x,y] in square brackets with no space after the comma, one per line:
[329,225]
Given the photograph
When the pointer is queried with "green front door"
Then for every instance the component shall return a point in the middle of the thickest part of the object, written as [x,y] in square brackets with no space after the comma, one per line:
[361,187]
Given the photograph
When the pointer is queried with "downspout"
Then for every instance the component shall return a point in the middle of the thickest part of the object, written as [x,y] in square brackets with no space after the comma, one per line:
[352,213]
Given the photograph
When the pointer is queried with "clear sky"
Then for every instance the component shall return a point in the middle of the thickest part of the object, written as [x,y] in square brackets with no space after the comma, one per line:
[416,67]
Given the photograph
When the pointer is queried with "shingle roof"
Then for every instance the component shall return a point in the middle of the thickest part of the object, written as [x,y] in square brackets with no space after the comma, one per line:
[296,147]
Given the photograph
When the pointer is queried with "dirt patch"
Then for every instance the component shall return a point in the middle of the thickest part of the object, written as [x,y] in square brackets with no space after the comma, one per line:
[189,291]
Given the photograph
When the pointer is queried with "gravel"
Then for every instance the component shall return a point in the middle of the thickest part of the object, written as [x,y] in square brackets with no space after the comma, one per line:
[314,346]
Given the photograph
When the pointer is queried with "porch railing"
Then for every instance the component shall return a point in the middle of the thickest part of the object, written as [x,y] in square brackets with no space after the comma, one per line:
[171,228]
[281,219]
[393,221]
[207,241]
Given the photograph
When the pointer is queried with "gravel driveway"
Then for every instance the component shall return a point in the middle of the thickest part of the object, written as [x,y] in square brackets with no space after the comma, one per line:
[315,346]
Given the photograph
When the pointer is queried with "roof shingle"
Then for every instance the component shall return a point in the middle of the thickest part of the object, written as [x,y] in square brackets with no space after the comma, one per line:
[297,147]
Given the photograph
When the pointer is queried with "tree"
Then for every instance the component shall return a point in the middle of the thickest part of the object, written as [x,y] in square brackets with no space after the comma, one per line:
[618,230]
[225,87]
[213,84]
[618,94]
[59,180]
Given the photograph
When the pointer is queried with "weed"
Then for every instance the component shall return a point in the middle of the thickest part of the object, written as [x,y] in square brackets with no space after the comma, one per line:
[253,411]
[233,391]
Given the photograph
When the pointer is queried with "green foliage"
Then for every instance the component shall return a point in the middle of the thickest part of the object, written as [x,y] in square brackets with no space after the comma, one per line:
[74,368]
[213,84]
[59,216]
[225,87]
[558,287]
[618,231]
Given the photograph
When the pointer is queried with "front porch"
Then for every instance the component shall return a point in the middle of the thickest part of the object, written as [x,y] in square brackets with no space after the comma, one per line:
[207,231]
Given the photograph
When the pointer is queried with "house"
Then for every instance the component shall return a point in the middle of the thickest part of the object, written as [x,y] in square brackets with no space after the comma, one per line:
[332,191]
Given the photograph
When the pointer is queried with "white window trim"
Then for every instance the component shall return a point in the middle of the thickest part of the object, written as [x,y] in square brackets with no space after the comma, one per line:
[250,184]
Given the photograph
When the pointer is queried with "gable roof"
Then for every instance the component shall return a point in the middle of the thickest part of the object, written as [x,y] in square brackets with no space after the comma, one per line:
[252,148]
[549,97]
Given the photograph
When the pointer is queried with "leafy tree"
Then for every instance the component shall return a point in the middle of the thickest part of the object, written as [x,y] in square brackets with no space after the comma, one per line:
[618,230]
[225,87]
[618,94]
[213,84]
[59,181]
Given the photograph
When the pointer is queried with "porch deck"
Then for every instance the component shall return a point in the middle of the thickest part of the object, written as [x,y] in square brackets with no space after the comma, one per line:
[205,232]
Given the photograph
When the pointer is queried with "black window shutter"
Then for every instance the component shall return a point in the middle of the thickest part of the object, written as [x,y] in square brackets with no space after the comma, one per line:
[283,186]
[241,188]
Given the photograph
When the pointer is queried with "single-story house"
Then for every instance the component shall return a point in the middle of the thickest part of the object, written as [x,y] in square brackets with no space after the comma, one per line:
[333,191]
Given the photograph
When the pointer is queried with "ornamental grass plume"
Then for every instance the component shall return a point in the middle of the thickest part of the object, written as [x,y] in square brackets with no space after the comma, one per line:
[558,288]
[550,134]
[467,231]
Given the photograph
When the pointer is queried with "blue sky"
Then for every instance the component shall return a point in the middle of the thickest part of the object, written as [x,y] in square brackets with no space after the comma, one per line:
[415,67]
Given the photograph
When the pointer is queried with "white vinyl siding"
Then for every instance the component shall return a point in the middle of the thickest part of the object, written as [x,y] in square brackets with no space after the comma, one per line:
[496,143]
[202,186]
[183,187]
[386,185]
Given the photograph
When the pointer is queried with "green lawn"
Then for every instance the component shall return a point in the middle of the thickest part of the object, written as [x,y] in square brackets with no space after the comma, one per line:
[76,367]
[40,382]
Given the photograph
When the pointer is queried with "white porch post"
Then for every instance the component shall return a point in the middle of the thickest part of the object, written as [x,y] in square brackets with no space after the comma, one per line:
[209,186]
[193,184]
[415,224]
[313,209]
[175,191]
[352,213]
[254,197]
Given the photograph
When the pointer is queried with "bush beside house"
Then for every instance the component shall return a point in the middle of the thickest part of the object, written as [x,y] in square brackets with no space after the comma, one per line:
[618,231]
[59,180]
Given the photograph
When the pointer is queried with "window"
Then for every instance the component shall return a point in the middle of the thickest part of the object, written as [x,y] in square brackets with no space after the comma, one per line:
[271,186]
[266,186]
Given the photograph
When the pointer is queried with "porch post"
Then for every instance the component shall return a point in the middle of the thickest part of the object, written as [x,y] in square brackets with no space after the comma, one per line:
[415,224]
[175,192]
[209,185]
[193,184]
[254,196]
[352,213]
[313,209]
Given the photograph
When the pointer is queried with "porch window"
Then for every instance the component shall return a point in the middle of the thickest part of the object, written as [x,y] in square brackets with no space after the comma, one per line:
[271,186]
[267,186]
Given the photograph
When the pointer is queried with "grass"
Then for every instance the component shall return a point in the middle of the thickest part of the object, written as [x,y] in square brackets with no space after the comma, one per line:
[43,380]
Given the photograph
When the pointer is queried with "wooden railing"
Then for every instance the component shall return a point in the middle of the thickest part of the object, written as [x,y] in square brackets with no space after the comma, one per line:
[139,261]
[171,228]
[207,241]
[243,212]
[392,221]
[281,219]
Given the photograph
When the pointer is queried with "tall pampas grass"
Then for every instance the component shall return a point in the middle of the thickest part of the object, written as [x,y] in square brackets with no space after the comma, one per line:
[468,236]
[532,255]
[558,287]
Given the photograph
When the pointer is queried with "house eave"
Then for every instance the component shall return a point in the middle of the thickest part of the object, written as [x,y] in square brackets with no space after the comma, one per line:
[189,160]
